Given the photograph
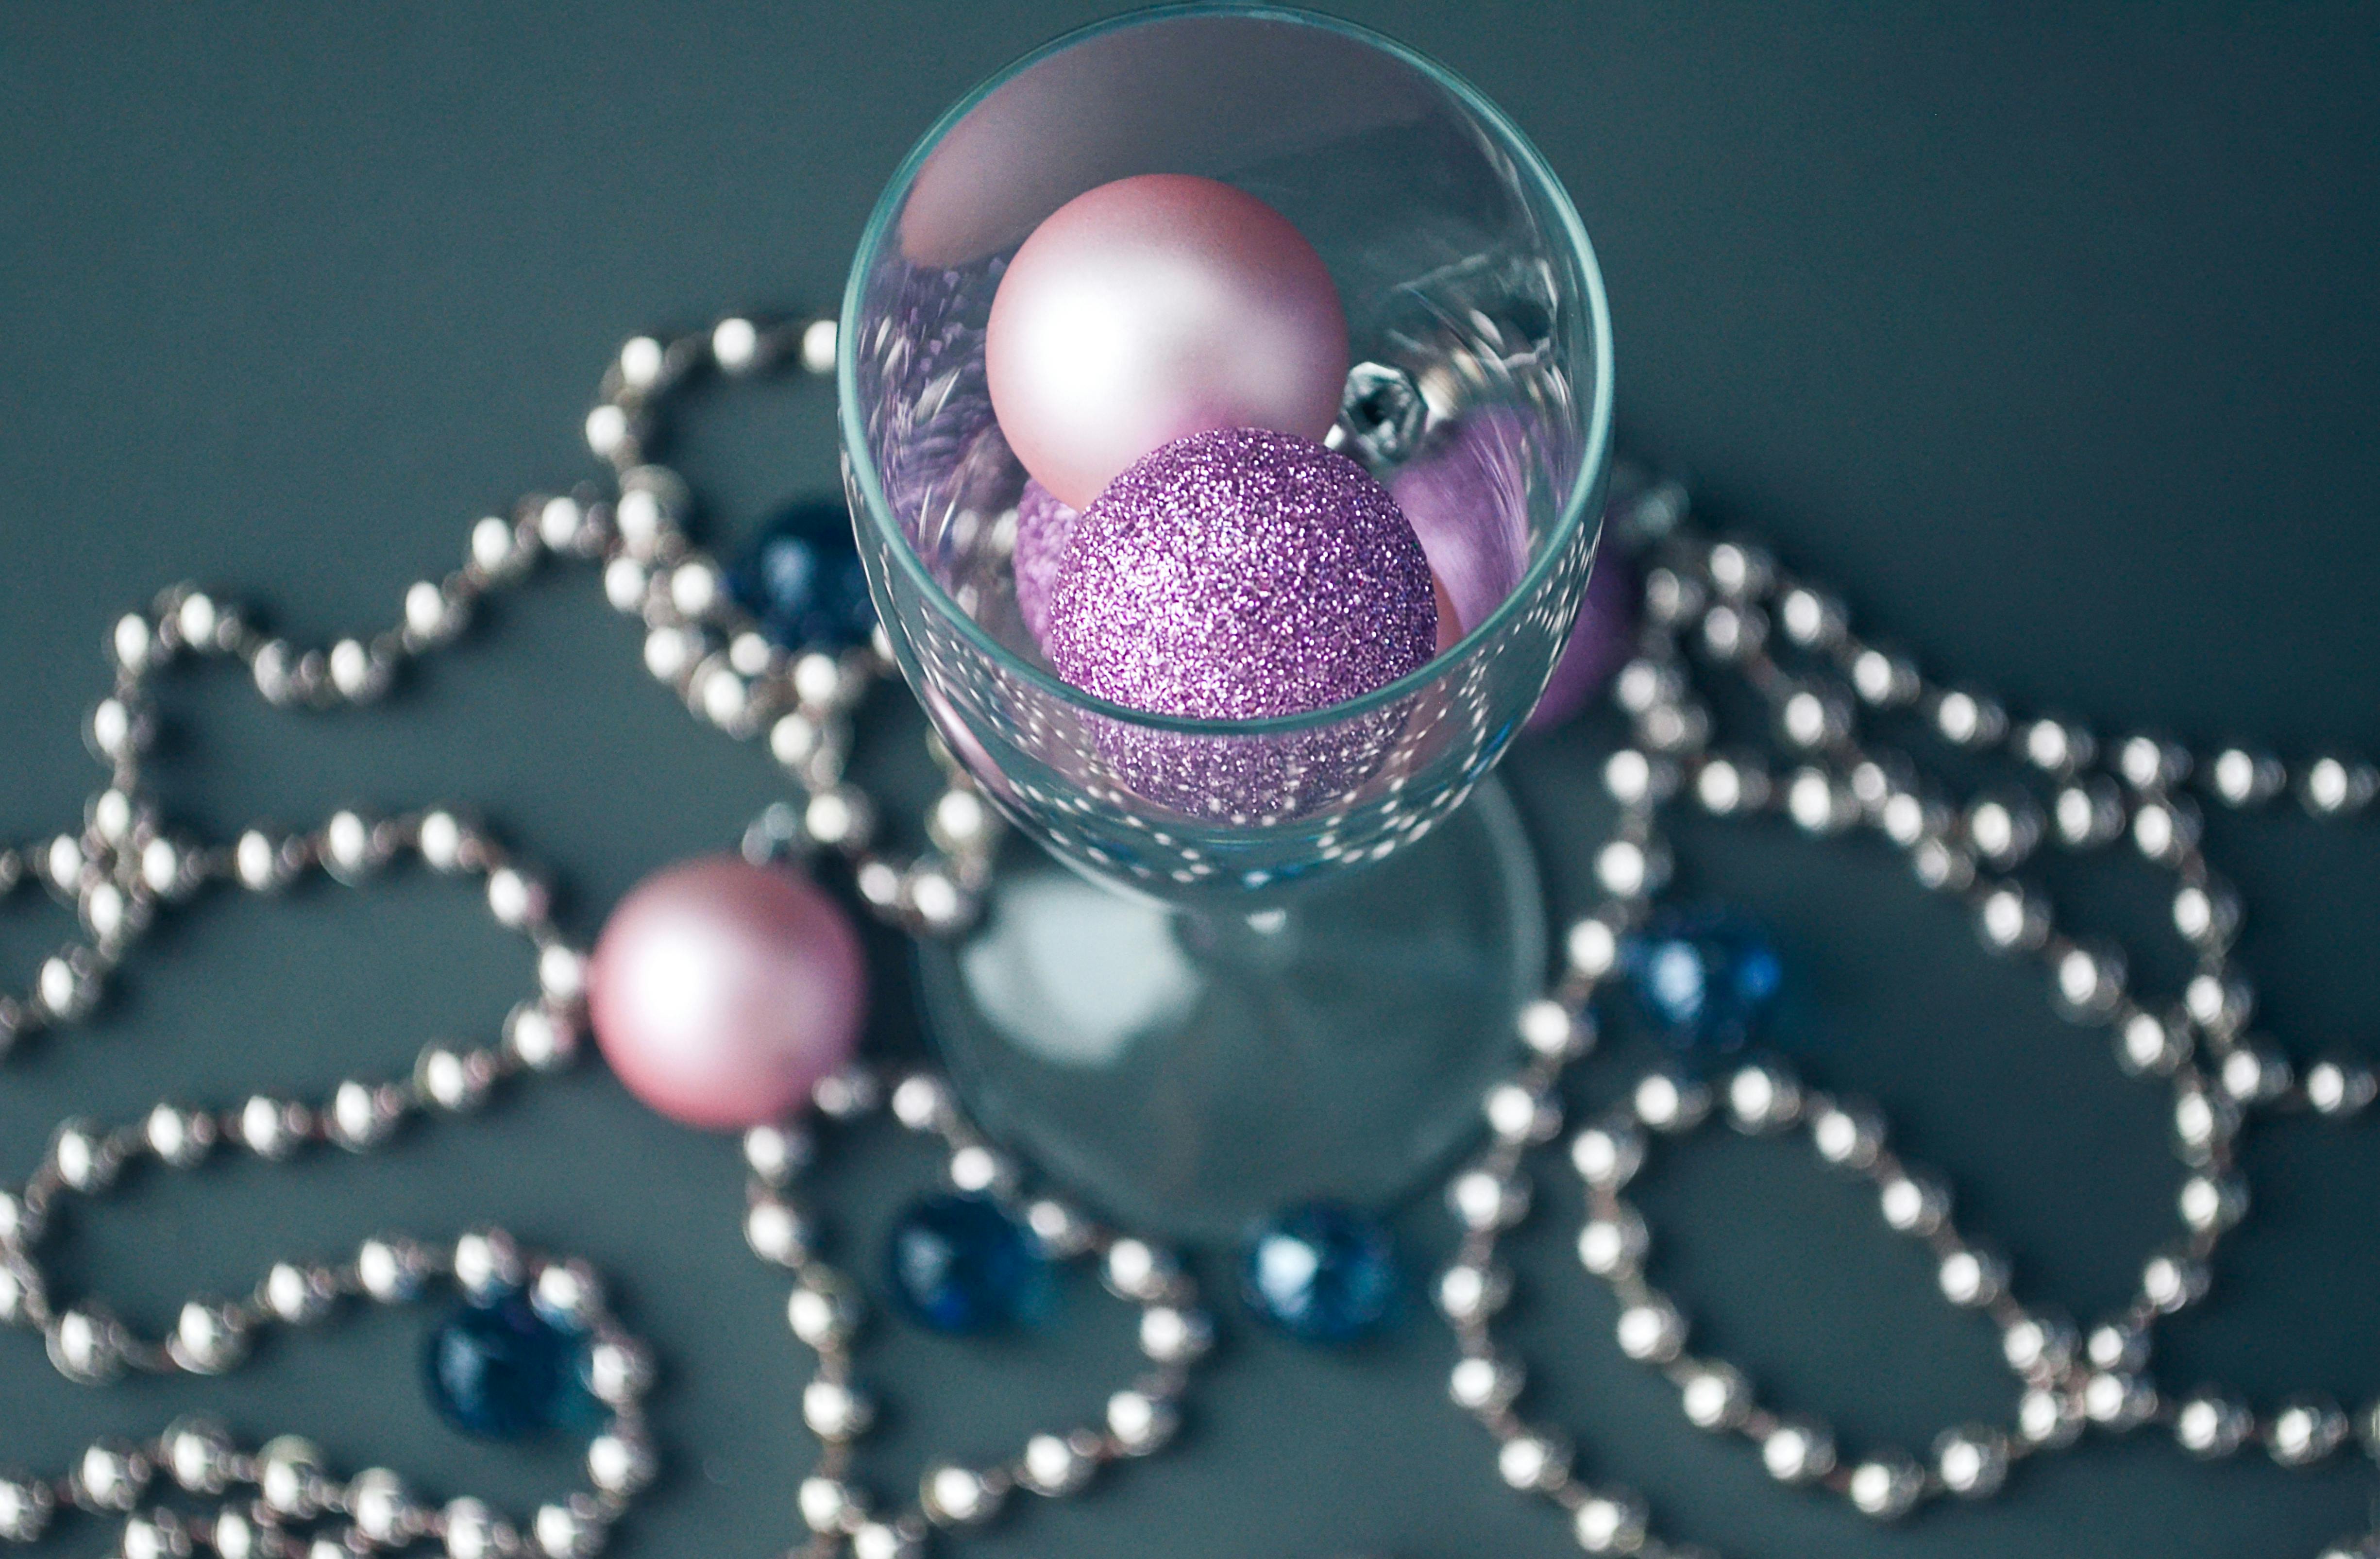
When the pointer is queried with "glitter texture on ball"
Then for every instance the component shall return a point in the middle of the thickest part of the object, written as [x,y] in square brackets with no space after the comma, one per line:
[1043,527]
[1238,575]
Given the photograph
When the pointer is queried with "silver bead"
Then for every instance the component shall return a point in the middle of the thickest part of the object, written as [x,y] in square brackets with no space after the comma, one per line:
[2219,1005]
[1887,1487]
[1481,1384]
[85,1157]
[777,1232]
[1610,1247]
[1548,1027]
[846,1094]
[156,1534]
[1468,1293]
[1629,870]
[1883,680]
[1812,620]
[26,1506]
[456,1080]
[1972,1278]
[273,1129]
[289,1476]
[2118,1400]
[363,1115]
[1484,1201]
[829,1506]
[1141,1422]
[2210,1426]
[1715,1397]
[2173,1280]
[2011,920]
[2048,1417]
[2336,787]
[1610,1522]
[1607,1155]
[2203,1122]
[2040,1346]
[1914,1204]
[777,1153]
[1819,806]
[959,1496]
[473,1531]
[562,1533]
[487,1264]
[208,1339]
[2089,812]
[1732,633]
[568,1295]
[2254,1074]
[2305,1429]
[2247,779]
[393,1270]
[2211,1203]
[879,1540]
[1055,1466]
[1763,1098]
[384,1512]
[834,1411]
[2004,829]
[2148,763]
[1797,1451]
[1520,1116]
[2166,831]
[2148,1043]
[1741,570]
[1538,1462]
[87,1346]
[1846,1136]
[112,1475]
[823,1310]
[1592,948]
[1173,1335]
[352,849]
[198,1455]
[2336,1086]
[1669,1102]
[1652,1332]
[298,1295]
[1971,1461]
[619,1370]
[1941,866]
[975,1168]
[1063,1232]
[1137,1271]
[1969,720]
[540,1040]
[2206,914]
[619,1462]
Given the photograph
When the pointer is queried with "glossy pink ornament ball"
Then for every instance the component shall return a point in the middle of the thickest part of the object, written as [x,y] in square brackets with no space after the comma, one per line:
[1153,308]
[722,992]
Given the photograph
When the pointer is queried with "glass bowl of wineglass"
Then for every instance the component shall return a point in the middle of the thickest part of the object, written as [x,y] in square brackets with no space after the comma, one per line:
[1254,961]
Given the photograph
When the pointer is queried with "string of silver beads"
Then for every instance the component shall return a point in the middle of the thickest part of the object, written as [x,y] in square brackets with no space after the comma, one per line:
[826,1313]
[1718,596]
[374,1512]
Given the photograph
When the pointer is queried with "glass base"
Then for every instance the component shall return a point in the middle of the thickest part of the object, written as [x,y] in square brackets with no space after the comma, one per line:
[1189,1073]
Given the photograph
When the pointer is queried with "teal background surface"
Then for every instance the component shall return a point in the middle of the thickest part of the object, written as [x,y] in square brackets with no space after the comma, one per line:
[2052,338]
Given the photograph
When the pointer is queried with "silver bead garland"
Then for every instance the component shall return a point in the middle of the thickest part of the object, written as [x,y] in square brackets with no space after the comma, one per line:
[1718,598]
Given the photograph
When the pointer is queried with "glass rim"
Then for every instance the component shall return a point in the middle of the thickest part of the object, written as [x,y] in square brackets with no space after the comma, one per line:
[862,459]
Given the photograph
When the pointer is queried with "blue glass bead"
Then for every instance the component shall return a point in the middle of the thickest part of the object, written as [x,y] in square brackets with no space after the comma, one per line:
[1702,980]
[961,1264]
[503,1371]
[803,582]
[1322,1272]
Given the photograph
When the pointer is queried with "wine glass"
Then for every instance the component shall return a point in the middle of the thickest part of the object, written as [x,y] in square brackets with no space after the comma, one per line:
[1288,956]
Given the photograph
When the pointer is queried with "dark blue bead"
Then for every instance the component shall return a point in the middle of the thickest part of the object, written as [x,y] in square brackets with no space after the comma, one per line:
[1323,1272]
[961,1264]
[1702,980]
[803,582]
[502,1370]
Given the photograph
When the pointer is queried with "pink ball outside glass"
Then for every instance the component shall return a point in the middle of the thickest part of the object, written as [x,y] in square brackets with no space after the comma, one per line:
[1153,308]
[722,992]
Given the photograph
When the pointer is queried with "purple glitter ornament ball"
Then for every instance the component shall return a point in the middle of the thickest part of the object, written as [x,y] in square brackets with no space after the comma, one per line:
[1043,527]
[1237,575]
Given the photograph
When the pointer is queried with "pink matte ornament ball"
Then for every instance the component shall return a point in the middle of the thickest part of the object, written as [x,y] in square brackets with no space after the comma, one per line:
[722,992]
[1153,308]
